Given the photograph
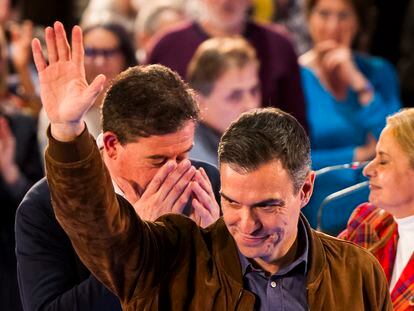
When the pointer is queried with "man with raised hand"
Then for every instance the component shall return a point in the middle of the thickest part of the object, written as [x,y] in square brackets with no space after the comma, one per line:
[261,255]
[147,135]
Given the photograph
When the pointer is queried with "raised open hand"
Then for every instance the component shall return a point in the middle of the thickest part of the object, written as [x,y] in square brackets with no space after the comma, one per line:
[65,93]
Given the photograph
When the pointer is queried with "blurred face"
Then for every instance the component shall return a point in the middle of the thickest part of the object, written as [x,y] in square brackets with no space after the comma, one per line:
[102,55]
[333,20]
[236,91]
[227,14]
[138,162]
[261,210]
[391,178]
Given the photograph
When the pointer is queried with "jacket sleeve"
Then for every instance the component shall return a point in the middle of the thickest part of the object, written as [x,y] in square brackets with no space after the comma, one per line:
[129,256]
[50,275]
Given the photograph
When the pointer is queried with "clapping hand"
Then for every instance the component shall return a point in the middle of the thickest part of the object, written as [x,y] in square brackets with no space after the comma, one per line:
[65,93]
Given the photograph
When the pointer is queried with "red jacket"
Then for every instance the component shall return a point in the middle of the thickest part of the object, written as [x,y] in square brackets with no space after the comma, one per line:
[376,230]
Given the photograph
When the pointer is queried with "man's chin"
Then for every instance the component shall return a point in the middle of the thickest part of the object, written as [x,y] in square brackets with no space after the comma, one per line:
[252,251]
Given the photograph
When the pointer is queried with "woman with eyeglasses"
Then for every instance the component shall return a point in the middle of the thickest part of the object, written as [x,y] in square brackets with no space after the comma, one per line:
[109,51]
[385,225]
[348,94]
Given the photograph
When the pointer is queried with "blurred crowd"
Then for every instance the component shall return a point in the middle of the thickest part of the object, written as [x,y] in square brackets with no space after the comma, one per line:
[340,67]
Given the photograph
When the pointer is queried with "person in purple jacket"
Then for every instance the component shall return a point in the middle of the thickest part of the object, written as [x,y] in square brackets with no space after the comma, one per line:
[279,72]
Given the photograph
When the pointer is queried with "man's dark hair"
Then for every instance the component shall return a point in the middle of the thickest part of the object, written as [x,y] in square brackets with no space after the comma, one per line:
[262,135]
[147,100]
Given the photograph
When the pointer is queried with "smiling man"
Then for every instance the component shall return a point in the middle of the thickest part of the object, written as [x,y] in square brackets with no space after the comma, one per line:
[261,255]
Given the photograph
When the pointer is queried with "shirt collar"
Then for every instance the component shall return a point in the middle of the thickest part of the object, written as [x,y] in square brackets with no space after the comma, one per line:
[301,262]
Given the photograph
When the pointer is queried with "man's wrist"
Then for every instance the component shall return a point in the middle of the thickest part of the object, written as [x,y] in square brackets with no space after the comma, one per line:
[65,132]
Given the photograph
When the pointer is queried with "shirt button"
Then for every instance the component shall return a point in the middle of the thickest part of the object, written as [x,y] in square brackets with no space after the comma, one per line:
[273,284]
[411,301]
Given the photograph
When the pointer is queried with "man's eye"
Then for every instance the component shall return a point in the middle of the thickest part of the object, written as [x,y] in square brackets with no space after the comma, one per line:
[229,203]
[324,13]
[159,162]
[268,208]
[235,96]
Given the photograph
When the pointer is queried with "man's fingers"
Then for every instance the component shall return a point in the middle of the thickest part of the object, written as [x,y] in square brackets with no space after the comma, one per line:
[182,200]
[77,47]
[203,180]
[130,193]
[203,196]
[176,183]
[50,39]
[38,55]
[95,88]
[200,212]
[62,44]
[159,177]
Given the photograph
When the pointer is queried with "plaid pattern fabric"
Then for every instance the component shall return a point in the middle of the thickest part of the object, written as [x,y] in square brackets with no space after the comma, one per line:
[376,230]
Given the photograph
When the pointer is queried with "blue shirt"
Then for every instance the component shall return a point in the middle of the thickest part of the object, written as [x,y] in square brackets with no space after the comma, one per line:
[285,290]
[338,127]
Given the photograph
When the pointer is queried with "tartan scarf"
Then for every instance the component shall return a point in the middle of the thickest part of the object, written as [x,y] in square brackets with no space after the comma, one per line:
[376,230]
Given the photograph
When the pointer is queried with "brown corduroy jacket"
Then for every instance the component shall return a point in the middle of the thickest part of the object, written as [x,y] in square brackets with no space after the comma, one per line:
[172,264]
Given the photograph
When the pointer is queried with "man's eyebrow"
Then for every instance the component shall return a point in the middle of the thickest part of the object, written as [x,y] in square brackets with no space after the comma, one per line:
[160,156]
[227,197]
[266,202]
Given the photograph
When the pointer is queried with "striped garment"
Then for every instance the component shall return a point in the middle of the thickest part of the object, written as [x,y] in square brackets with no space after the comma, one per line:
[376,230]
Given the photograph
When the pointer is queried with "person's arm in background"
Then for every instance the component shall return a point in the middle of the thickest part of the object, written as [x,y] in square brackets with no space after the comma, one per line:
[20,165]
[21,36]
[372,116]
[50,274]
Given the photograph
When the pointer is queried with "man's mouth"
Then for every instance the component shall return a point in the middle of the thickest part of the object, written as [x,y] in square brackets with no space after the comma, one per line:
[252,240]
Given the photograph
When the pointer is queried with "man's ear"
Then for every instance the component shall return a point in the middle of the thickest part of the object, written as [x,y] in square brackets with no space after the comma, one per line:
[307,188]
[111,145]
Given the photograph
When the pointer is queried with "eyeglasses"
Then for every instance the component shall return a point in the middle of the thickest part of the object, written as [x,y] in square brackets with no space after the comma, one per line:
[341,16]
[106,53]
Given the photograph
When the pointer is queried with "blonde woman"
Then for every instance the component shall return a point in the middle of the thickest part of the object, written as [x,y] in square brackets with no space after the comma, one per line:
[385,225]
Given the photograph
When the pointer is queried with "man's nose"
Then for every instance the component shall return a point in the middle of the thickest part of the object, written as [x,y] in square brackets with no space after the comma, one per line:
[249,221]
[99,60]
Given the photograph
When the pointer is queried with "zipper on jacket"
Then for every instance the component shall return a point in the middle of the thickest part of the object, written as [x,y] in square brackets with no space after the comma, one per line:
[238,299]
